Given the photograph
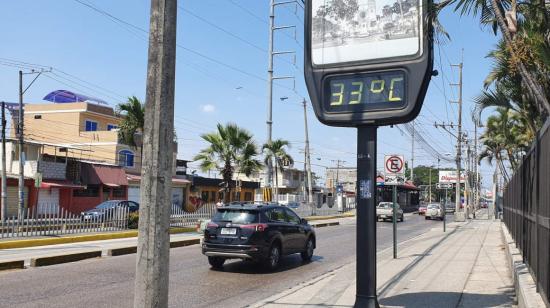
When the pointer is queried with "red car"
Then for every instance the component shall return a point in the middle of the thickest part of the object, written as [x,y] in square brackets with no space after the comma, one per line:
[422,210]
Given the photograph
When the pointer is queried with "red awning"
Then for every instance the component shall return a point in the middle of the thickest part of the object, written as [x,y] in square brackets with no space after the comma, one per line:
[60,184]
[104,175]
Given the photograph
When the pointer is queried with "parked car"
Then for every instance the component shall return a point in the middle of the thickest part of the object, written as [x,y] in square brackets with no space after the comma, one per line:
[262,233]
[435,211]
[422,210]
[108,208]
[449,208]
[384,211]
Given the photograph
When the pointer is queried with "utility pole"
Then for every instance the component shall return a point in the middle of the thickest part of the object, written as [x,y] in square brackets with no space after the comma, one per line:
[20,130]
[412,153]
[459,139]
[308,160]
[430,187]
[338,161]
[4,212]
[153,250]
[271,78]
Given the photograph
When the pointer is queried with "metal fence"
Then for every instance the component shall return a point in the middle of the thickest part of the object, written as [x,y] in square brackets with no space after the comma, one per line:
[526,210]
[52,220]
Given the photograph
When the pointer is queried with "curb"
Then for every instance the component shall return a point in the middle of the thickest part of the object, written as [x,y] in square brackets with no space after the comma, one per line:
[326,224]
[45,261]
[8,265]
[78,238]
[524,284]
[314,218]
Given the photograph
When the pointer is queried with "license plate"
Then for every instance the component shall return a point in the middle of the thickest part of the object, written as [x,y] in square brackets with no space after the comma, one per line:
[229,231]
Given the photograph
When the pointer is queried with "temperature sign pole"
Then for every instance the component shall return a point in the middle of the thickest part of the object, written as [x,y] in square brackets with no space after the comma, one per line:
[366,67]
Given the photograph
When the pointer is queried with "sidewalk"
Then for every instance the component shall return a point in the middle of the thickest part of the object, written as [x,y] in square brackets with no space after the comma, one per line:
[464,267]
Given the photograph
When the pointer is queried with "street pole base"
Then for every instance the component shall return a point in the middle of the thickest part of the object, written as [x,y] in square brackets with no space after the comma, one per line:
[460,216]
[366,302]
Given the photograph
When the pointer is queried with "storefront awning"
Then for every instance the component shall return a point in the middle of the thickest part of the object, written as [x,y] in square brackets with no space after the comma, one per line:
[112,176]
[177,181]
[60,184]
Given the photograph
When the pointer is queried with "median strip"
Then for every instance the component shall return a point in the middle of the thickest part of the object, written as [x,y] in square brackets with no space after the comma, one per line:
[52,260]
[22,243]
[12,265]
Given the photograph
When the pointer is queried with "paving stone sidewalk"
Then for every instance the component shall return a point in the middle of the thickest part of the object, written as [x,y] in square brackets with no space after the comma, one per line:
[464,267]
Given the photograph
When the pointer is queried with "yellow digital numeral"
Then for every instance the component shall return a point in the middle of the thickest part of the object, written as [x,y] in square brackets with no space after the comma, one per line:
[359,93]
[338,95]
[391,97]
[376,83]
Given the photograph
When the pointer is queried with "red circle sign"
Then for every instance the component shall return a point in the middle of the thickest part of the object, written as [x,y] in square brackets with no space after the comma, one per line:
[394,164]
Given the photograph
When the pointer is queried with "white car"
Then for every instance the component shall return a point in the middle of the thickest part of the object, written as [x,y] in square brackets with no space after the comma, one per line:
[435,211]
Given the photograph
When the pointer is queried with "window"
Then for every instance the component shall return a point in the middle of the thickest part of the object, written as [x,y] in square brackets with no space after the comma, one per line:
[276,215]
[90,191]
[292,218]
[119,192]
[111,126]
[204,196]
[126,158]
[91,126]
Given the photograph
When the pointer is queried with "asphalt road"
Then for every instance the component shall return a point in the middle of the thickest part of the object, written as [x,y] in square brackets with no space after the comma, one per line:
[108,282]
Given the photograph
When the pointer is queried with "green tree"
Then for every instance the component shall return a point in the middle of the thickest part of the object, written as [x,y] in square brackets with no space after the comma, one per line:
[275,151]
[525,38]
[231,149]
[133,120]
[339,10]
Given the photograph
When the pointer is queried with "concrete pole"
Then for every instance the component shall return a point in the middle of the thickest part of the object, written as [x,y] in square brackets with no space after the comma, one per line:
[308,160]
[20,130]
[269,122]
[459,139]
[153,251]
[430,187]
[4,212]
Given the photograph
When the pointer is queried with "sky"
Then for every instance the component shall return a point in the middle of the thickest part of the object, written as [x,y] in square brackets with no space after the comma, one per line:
[99,48]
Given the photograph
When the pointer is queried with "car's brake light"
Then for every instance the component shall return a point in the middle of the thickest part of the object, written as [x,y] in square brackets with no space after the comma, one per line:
[255,227]
[211,225]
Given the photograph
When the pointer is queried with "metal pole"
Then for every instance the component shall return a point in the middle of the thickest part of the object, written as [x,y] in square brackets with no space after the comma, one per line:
[269,176]
[20,125]
[395,221]
[366,218]
[308,160]
[412,153]
[4,212]
[153,250]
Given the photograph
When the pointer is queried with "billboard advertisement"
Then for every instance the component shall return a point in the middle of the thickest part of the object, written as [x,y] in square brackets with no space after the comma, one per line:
[449,176]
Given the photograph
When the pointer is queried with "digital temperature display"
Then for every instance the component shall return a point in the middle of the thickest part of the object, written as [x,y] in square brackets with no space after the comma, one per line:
[371,91]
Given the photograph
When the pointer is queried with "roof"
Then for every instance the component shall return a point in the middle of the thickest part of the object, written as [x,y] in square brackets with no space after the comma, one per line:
[105,175]
[137,178]
[65,96]
[36,142]
[248,206]
[202,181]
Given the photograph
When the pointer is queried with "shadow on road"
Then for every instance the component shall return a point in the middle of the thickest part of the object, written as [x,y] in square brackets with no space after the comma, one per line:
[248,267]
[446,299]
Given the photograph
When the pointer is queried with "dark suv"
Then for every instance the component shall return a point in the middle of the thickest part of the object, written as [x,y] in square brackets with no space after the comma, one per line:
[255,232]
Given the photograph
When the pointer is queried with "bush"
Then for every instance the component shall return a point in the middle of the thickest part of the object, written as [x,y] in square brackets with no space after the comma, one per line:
[133,220]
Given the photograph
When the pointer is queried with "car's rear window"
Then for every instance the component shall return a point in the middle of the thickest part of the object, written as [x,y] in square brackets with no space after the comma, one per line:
[433,206]
[236,216]
[385,205]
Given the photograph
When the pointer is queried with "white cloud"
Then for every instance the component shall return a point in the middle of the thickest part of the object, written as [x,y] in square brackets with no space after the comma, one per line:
[208,108]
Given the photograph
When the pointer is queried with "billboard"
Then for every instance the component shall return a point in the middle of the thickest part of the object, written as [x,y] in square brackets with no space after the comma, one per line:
[449,176]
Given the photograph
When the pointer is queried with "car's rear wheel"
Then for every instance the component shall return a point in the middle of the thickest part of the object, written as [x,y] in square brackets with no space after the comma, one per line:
[216,262]
[308,253]
[402,218]
[426,217]
[272,261]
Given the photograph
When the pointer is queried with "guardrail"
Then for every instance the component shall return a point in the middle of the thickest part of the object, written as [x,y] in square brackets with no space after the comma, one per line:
[526,210]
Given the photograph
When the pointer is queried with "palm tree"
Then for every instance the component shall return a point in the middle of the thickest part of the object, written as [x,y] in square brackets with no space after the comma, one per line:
[275,151]
[503,15]
[230,149]
[133,121]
